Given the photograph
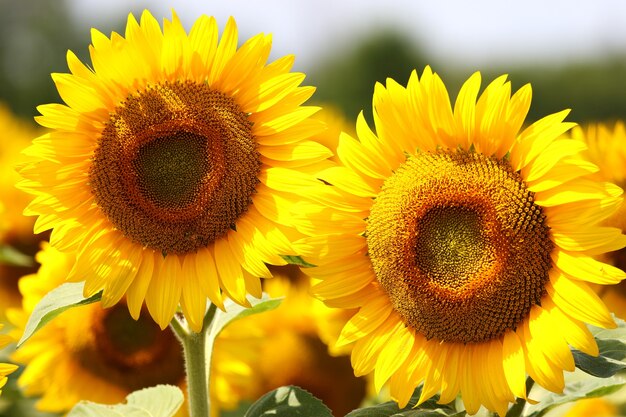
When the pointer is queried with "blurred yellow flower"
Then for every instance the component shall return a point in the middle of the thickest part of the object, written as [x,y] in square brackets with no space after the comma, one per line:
[607,148]
[466,242]
[87,352]
[168,170]
[592,407]
[16,230]
[5,368]
[285,347]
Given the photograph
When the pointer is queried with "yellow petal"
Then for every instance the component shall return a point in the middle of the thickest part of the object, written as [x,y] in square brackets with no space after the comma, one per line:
[465,110]
[349,181]
[366,350]
[547,333]
[123,272]
[225,50]
[165,288]
[576,299]
[585,268]
[590,240]
[203,40]
[366,320]
[209,279]
[193,300]
[230,272]
[514,364]
[574,332]
[450,377]
[538,366]
[574,191]
[352,154]
[393,354]
[136,293]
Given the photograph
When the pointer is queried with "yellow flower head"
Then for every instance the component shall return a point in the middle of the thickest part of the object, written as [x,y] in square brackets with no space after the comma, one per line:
[102,355]
[87,352]
[5,368]
[285,346]
[16,230]
[466,242]
[606,149]
[165,169]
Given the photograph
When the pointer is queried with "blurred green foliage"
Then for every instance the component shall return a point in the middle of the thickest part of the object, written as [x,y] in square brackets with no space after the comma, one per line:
[595,90]
[35,36]
[34,41]
[347,78]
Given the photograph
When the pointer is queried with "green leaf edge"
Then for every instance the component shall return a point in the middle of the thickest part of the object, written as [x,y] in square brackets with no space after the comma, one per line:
[43,315]
[223,319]
[134,403]
[297,260]
[255,407]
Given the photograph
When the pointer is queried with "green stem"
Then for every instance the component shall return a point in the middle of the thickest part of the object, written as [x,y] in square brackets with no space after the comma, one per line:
[194,348]
[517,408]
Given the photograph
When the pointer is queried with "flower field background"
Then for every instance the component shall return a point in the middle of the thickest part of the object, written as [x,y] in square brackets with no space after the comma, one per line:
[73,349]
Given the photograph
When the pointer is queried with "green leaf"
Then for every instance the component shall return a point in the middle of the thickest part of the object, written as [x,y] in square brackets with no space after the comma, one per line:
[159,401]
[588,387]
[607,363]
[11,256]
[65,296]
[600,366]
[235,312]
[614,349]
[428,408]
[618,333]
[288,401]
[162,400]
[86,409]
[297,260]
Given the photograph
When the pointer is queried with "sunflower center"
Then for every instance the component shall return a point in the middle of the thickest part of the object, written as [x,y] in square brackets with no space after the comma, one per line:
[459,245]
[170,169]
[131,354]
[452,245]
[175,167]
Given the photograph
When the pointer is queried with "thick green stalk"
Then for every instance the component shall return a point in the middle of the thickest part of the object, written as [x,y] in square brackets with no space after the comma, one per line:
[194,348]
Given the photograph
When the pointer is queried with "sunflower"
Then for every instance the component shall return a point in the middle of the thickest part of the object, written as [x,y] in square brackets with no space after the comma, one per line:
[87,352]
[592,407]
[335,122]
[164,169]
[466,243]
[290,347]
[606,149]
[16,230]
[5,368]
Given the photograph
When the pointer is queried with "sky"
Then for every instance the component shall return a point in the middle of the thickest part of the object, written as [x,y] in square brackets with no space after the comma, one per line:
[462,33]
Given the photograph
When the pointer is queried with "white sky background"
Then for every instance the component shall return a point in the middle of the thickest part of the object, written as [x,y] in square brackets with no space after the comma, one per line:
[468,33]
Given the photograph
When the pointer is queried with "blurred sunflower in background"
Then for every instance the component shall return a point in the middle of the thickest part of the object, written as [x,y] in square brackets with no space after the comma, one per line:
[607,148]
[87,352]
[592,407]
[16,230]
[292,346]
[167,171]
[5,368]
[102,355]
[336,122]
[467,243]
